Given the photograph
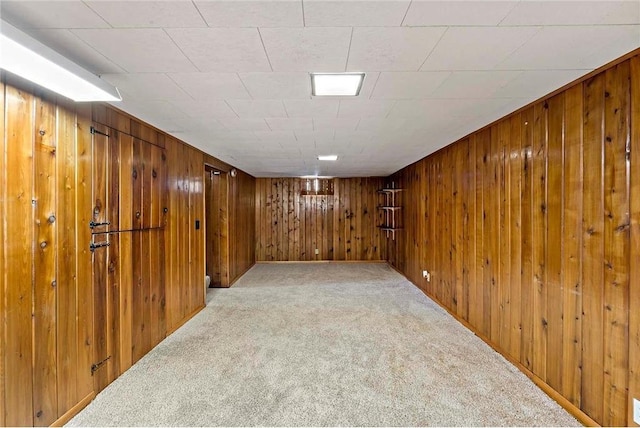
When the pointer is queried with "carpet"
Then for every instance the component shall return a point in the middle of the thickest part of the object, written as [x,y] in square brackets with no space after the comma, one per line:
[328,344]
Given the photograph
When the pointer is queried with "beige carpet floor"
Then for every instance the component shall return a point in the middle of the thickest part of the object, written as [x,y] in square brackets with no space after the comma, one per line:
[322,345]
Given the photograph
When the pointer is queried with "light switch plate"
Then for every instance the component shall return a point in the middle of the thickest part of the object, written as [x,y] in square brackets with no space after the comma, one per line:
[636,411]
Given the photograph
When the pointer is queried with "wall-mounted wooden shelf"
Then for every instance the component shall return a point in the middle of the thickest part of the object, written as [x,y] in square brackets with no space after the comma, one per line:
[390,208]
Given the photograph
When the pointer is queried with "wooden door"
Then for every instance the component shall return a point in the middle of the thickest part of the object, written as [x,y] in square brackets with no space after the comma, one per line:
[105,261]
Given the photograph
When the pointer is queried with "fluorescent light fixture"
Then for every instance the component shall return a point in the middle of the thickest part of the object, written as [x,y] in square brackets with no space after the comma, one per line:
[336,84]
[26,57]
[328,157]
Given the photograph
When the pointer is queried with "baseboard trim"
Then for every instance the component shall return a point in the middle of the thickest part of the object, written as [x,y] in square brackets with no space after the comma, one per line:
[240,274]
[74,410]
[582,417]
[183,321]
[276,262]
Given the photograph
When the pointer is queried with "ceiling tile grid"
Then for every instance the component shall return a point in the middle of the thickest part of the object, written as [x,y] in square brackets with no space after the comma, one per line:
[231,77]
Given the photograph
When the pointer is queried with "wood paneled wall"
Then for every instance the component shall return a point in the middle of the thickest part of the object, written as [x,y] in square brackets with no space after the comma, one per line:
[56,321]
[342,226]
[531,231]
[186,248]
[45,263]
[242,224]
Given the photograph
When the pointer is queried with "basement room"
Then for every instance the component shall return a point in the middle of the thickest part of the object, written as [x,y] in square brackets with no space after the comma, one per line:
[319,213]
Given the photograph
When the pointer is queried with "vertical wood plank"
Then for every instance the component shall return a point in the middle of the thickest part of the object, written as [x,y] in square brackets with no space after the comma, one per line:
[156,185]
[18,257]
[147,187]
[45,404]
[593,250]
[487,229]
[469,249]
[84,293]
[476,310]
[554,243]
[504,278]
[137,179]
[527,284]
[137,300]
[515,165]
[616,249]
[634,261]
[113,181]
[125,146]
[113,308]
[125,302]
[173,274]
[3,270]
[458,234]
[154,291]
[572,241]
[539,248]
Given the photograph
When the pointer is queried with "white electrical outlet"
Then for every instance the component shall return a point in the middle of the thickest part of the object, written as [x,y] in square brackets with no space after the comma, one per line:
[636,411]
[426,275]
[317,251]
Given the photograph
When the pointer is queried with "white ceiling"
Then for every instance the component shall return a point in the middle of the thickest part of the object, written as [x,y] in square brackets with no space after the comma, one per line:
[232,77]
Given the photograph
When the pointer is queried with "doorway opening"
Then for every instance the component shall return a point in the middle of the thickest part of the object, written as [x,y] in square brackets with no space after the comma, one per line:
[217,248]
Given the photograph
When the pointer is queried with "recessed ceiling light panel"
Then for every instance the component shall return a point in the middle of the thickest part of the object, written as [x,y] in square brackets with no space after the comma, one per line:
[336,84]
[328,157]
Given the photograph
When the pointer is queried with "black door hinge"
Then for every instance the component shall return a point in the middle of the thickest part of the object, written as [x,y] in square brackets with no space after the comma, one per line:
[96,366]
[93,246]
[95,131]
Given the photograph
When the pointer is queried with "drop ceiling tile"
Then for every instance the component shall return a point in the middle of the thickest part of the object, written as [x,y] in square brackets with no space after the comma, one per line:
[428,13]
[465,48]
[290,124]
[237,124]
[538,83]
[391,48]
[222,49]
[324,13]
[344,124]
[277,85]
[211,85]
[358,137]
[378,125]
[50,14]
[205,125]
[148,14]
[408,85]
[148,50]
[258,108]
[147,86]
[307,49]
[282,137]
[234,137]
[439,110]
[574,13]
[70,46]
[310,138]
[205,108]
[555,48]
[281,13]
[316,107]
[474,84]
[365,108]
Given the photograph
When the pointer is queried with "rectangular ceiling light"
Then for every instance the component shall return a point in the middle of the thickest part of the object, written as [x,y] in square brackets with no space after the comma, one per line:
[26,57]
[328,157]
[336,84]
